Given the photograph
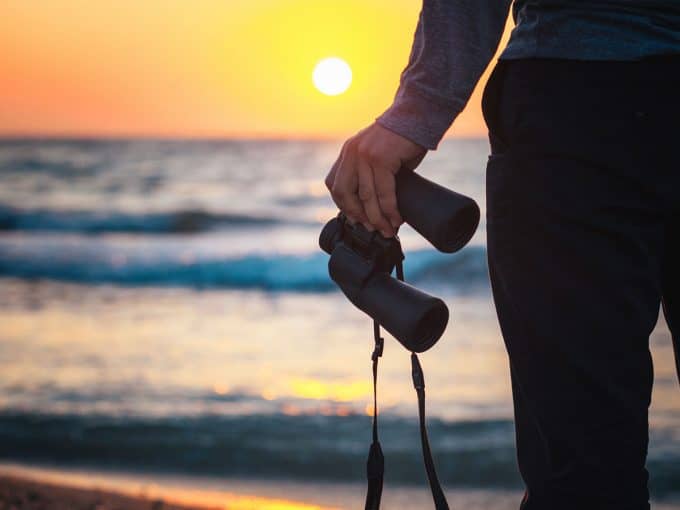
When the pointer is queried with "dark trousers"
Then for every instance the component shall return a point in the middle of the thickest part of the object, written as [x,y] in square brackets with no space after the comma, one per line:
[583,211]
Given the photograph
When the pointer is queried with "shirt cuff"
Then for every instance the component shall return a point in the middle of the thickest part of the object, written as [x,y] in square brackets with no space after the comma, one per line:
[423,121]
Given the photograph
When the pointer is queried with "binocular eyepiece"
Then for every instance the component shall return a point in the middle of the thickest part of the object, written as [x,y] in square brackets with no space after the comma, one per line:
[361,261]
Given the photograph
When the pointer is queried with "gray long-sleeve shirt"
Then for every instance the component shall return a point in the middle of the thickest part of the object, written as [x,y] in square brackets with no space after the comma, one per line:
[456,39]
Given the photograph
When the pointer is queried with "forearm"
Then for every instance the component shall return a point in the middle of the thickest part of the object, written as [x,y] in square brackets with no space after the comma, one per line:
[454,42]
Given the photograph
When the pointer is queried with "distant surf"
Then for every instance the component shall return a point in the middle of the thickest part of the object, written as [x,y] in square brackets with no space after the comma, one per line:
[102,222]
[101,262]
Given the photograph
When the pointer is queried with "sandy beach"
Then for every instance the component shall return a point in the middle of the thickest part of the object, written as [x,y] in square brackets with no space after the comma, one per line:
[26,494]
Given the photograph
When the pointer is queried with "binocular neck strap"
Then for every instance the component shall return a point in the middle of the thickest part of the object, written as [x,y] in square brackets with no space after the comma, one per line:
[375,467]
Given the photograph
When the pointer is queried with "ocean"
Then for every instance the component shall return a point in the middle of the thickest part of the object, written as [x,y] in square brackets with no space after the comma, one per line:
[165,309]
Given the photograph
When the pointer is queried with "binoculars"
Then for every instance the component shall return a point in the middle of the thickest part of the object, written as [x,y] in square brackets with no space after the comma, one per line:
[361,262]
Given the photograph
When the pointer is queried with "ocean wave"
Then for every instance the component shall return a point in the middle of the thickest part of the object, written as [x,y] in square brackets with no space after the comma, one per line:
[478,453]
[278,272]
[100,222]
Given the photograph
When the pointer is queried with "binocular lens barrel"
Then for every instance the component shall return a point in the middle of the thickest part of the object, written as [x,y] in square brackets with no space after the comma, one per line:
[413,317]
[447,219]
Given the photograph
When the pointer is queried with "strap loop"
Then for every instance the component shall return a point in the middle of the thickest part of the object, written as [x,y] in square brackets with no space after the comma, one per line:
[379,342]
[417,373]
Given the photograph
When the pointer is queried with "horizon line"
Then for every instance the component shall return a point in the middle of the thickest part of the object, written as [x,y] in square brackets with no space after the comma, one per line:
[190,137]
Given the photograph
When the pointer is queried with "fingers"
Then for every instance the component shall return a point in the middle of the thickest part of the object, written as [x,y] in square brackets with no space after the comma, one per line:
[346,187]
[330,178]
[369,200]
[386,195]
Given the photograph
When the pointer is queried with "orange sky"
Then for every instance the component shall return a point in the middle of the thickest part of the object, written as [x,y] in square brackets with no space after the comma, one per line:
[201,68]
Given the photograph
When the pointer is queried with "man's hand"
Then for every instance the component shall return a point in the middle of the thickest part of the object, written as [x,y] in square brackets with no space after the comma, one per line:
[362,182]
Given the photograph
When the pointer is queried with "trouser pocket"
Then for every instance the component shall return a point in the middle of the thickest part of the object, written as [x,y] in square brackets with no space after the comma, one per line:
[491,101]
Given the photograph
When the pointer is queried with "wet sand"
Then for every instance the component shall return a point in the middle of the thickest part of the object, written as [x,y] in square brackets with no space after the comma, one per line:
[25,487]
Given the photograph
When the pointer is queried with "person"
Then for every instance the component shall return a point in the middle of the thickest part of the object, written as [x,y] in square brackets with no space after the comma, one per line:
[583,215]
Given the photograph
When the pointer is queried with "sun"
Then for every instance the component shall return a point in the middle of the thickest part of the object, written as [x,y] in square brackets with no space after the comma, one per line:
[332,76]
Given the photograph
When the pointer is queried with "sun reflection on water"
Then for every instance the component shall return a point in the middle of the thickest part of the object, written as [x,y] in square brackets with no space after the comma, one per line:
[322,390]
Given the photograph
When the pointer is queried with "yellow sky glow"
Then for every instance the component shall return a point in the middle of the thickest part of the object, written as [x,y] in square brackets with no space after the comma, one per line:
[177,68]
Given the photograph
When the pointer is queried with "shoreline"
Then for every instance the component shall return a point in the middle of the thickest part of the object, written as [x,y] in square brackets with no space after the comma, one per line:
[30,487]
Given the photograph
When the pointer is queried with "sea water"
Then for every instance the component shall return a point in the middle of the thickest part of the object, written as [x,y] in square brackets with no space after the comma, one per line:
[164,308]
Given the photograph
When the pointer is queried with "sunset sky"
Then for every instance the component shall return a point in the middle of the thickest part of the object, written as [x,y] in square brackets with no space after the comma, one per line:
[227,68]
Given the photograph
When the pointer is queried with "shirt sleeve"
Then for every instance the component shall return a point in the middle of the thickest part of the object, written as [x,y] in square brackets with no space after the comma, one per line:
[453,44]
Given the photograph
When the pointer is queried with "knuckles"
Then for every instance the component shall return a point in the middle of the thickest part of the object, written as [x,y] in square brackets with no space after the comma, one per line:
[351,145]
[363,149]
[370,153]
[387,200]
[365,194]
[338,193]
